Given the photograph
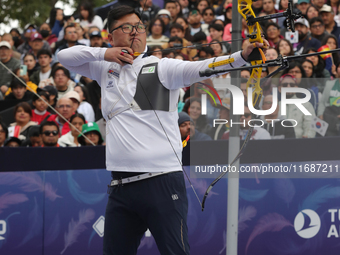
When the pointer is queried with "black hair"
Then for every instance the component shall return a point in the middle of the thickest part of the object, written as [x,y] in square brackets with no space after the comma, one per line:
[15,30]
[18,82]
[277,47]
[208,8]
[25,106]
[309,61]
[202,119]
[47,123]
[217,27]
[318,70]
[272,24]
[175,38]
[199,36]
[208,50]
[41,93]
[5,128]
[86,93]
[34,131]
[152,22]
[119,12]
[177,26]
[336,57]
[44,52]
[43,24]
[316,19]
[68,26]
[78,115]
[88,7]
[303,83]
[57,68]
[53,14]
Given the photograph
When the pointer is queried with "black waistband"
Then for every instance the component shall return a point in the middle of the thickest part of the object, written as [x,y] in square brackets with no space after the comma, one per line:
[121,175]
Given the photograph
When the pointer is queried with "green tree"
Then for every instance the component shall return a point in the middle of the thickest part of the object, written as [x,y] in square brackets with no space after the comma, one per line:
[33,11]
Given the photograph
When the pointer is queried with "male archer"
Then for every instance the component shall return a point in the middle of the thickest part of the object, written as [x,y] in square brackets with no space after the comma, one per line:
[143,142]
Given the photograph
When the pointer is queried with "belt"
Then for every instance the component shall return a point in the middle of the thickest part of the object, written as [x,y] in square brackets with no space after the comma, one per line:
[135,178]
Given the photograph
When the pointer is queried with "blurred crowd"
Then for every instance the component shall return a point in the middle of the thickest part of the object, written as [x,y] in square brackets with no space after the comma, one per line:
[47,105]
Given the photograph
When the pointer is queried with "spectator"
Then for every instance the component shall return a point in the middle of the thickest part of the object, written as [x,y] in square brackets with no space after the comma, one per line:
[23,123]
[65,109]
[71,39]
[193,108]
[37,43]
[201,5]
[46,33]
[81,34]
[177,30]
[217,132]
[185,24]
[208,15]
[205,53]
[216,33]
[165,15]
[330,93]
[319,66]
[148,9]
[29,30]
[71,138]
[156,51]
[303,129]
[96,40]
[10,62]
[269,8]
[272,122]
[74,96]
[56,20]
[171,6]
[303,5]
[327,15]
[39,114]
[258,133]
[3,133]
[305,39]
[92,132]
[61,77]
[85,107]
[12,142]
[273,34]
[184,6]
[295,69]
[87,17]
[332,42]
[318,3]
[217,47]
[44,60]
[194,20]
[156,29]
[312,12]
[49,131]
[313,84]
[8,38]
[16,35]
[19,91]
[187,127]
[53,94]
[102,124]
[317,28]
[34,138]
[31,63]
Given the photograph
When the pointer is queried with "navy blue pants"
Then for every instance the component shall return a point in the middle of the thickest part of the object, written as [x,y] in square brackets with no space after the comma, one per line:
[159,204]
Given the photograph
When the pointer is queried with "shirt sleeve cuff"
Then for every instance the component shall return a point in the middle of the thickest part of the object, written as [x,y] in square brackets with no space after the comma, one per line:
[238,59]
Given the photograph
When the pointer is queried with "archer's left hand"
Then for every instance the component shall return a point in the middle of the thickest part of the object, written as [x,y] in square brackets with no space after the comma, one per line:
[246,52]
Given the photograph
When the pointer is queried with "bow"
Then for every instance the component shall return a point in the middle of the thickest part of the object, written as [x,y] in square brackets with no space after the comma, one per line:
[257,60]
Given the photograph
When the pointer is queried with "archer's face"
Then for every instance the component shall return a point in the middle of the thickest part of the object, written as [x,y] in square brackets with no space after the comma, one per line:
[119,39]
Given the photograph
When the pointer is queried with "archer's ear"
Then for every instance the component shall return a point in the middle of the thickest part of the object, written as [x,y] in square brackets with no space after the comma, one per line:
[110,38]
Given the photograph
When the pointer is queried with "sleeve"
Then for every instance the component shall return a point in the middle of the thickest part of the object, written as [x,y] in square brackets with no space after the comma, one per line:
[83,60]
[175,74]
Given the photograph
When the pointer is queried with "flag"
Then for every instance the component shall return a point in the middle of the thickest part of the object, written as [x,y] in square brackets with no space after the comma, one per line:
[325,48]
[319,126]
